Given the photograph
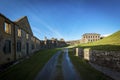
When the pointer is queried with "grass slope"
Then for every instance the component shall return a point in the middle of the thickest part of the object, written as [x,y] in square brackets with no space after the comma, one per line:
[111,42]
[29,68]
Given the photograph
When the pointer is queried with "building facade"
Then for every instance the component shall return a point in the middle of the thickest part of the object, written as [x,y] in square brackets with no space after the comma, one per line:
[7,52]
[17,40]
[90,37]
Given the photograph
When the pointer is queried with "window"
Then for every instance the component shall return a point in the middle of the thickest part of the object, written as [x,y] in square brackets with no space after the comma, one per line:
[7,46]
[52,41]
[32,46]
[19,32]
[98,36]
[7,28]
[27,36]
[18,46]
[33,39]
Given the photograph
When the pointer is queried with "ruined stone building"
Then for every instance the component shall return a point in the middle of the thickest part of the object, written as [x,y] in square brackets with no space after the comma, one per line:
[17,40]
[53,42]
[90,37]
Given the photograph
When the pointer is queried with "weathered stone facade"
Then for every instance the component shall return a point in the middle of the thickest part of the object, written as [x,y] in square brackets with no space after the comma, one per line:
[110,59]
[17,40]
[25,41]
[90,37]
[6,40]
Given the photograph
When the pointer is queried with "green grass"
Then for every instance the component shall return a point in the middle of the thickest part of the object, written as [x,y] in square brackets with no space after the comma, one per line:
[103,47]
[84,69]
[28,69]
[111,42]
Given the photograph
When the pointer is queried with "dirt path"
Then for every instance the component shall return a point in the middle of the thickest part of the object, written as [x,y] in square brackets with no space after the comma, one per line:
[68,69]
[47,70]
[58,67]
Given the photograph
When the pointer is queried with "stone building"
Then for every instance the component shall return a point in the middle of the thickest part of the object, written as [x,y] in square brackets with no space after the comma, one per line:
[7,45]
[17,40]
[61,42]
[24,38]
[53,42]
[90,37]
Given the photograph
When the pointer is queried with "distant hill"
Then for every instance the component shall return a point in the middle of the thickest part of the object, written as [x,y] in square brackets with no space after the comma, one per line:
[111,42]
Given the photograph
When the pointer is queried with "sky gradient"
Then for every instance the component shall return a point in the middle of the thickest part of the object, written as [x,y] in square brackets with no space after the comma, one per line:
[67,19]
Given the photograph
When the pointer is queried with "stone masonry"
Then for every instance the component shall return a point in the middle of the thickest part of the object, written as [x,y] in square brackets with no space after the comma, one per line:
[17,40]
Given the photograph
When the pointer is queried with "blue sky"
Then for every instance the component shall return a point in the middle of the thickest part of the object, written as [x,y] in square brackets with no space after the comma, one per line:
[67,19]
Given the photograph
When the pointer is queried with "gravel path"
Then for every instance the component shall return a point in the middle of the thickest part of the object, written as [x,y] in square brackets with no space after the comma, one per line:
[50,69]
[68,69]
[46,72]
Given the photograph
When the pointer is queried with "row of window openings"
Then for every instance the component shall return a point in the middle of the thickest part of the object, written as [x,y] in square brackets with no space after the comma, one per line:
[19,46]
[91,36]
[7,47]
[7,29]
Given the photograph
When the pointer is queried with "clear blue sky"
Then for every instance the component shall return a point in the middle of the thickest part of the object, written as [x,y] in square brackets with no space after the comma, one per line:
[67,19]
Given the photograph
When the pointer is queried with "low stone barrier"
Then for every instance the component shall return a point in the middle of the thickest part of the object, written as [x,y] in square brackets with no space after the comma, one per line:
[79,52]
[110,59]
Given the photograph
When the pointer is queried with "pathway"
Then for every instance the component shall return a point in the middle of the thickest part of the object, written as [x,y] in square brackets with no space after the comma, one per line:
[58,70]
[68,69]
[45,73]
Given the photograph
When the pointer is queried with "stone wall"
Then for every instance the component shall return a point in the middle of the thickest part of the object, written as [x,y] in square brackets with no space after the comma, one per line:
[14,46]
[110,59]
[6,38]
[79,52]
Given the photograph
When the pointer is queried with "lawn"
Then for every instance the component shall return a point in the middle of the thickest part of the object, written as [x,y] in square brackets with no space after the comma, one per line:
[111,42]
[85,70]
[28,69]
